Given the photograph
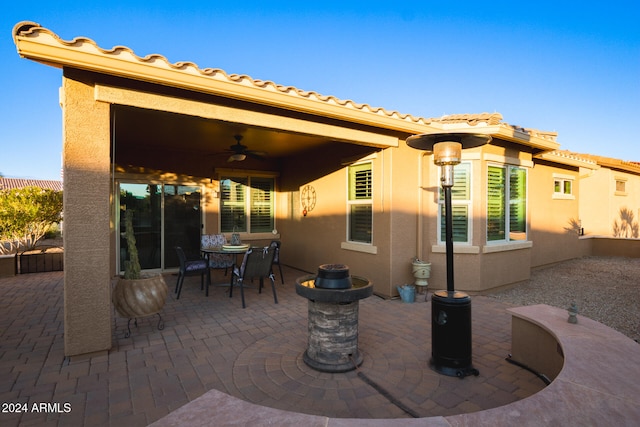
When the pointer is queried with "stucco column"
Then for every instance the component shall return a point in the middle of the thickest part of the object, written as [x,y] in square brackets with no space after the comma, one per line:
[87,287]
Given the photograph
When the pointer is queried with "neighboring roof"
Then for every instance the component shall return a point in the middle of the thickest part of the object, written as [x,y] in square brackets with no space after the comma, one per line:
[492,124]
[568,158]
[42,45]
[618,164]
[12,183]
[590,161]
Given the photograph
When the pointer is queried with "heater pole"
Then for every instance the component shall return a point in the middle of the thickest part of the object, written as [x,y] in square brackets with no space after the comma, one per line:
[449,237]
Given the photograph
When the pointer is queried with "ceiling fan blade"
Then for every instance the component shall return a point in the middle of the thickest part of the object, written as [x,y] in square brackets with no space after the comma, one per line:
[260,155]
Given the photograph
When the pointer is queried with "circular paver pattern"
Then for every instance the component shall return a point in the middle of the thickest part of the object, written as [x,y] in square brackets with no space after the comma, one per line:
[271,372]
[394,380]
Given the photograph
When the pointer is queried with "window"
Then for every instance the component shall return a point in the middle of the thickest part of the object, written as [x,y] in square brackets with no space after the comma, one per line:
[360,204]
[506,204]
[563,187]
[460,205]
[621,187]
[247,204]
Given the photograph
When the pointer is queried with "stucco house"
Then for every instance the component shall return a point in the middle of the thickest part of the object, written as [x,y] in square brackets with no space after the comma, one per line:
[333,180]
[610,202]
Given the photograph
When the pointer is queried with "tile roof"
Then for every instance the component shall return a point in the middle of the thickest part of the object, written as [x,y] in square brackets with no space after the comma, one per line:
[472,119]
[491,119]
[241,86]
[590,159]
[568,158]
[32,30]
[623,165]
[12,183]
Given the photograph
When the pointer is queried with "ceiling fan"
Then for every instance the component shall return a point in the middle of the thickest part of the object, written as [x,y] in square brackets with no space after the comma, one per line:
[240,152]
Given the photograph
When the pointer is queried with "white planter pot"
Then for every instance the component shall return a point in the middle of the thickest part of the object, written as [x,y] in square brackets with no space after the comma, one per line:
[421,272]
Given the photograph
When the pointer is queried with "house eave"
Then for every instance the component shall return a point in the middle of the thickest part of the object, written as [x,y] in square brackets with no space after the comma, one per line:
[39,44]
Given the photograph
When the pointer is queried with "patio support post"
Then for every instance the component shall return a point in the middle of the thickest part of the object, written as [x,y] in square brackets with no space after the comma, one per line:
[87,247]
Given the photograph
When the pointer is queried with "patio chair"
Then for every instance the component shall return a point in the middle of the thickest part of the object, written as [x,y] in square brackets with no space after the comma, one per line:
[256,264]
[276,258]
[217,261]
[192,267]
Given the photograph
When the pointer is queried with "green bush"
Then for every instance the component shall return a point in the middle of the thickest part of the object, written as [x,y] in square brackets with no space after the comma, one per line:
[26,214]
[53,232]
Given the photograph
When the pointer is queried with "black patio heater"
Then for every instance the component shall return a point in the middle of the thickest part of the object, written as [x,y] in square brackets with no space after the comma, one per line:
[450,310]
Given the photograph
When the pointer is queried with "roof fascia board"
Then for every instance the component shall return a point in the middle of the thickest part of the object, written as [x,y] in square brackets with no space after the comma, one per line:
[133,98]
[43,46]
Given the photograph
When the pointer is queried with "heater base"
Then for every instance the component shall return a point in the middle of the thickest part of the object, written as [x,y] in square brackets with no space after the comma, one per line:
[455,372]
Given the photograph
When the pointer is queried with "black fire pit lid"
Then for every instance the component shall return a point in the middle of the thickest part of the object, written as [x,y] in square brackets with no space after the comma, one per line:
[333,276]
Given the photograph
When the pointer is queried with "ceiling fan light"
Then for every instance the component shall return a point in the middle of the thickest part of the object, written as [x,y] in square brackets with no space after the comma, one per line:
[238,157]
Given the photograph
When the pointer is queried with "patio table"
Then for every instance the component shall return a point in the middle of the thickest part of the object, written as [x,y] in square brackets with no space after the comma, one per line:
[234,250]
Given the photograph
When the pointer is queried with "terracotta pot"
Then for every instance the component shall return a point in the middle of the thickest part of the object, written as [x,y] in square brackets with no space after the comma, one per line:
[139,297]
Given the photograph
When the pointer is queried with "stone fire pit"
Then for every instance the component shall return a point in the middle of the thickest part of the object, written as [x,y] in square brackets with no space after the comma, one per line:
[334,298]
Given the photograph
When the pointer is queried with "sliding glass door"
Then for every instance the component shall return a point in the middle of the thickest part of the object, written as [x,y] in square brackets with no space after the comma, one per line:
[165,216]
[182,222]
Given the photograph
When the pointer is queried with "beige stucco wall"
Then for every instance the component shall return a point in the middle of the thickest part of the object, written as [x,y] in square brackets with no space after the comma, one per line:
[611,246]
[600,203]
[402,171]
[87,278]
[320,236]
[554,220]
[535,348]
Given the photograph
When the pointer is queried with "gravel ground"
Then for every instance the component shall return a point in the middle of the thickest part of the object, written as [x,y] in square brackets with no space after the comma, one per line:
[604,289]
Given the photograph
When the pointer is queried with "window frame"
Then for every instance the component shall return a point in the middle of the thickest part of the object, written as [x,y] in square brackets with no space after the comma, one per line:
[559,187]
[248,203]
[165,248]
[456,202]
[357,201]
[508,202]
[620,186]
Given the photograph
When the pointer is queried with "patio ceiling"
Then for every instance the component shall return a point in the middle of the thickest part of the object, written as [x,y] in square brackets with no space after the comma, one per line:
[171,132]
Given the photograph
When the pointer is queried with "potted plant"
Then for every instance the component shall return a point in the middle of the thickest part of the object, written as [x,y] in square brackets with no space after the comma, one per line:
[137,294]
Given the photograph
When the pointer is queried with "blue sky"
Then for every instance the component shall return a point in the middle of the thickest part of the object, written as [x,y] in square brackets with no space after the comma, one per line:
[565,66]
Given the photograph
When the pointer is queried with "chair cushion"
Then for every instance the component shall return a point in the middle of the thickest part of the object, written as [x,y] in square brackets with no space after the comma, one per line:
[200,264]
[205,241]
[218,240]
[220,261]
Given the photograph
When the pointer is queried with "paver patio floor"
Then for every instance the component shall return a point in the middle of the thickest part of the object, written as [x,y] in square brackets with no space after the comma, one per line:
[254,354]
